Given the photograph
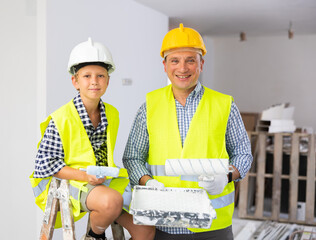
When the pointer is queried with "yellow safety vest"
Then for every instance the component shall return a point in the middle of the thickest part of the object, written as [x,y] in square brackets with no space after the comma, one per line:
[205,139]
[79,154]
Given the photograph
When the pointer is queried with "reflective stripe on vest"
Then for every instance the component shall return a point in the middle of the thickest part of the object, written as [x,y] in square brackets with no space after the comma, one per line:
[159,170]
[40,187]
[73,191]
[156,170]
[127,197]
[223,201]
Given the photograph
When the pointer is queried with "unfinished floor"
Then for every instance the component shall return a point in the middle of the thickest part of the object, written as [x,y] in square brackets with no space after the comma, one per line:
[244,228]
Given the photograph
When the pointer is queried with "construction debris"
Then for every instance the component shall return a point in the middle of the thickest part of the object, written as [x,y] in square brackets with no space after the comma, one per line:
[277,118]
[270,230]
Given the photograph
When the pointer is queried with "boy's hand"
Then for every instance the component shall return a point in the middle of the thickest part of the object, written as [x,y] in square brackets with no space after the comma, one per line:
[93,180]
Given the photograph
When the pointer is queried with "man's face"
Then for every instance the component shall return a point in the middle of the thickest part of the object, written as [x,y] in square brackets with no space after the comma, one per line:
[183,69]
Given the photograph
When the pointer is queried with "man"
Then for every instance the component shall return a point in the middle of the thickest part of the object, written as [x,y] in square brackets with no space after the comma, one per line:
[188,120]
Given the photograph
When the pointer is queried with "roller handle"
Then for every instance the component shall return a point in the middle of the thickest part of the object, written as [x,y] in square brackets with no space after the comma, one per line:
[101,171]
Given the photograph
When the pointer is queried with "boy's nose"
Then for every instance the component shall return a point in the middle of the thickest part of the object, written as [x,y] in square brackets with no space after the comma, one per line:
[94,80]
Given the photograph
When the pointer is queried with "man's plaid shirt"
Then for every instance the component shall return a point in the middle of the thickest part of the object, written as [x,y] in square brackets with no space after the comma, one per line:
[136,151]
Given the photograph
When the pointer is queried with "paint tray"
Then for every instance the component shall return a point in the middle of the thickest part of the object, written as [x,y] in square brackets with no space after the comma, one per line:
[172,207]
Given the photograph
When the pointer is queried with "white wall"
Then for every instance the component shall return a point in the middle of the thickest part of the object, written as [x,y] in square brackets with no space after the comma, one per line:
[18,117]
[132,32]
[264,71]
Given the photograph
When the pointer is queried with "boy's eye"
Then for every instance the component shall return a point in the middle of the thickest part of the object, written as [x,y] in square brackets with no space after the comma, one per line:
[101,76]
[86,76]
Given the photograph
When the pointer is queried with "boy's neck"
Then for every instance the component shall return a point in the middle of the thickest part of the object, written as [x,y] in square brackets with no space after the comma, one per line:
[93,110]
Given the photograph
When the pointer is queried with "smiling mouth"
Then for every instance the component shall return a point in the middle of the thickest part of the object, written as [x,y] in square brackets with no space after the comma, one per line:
[183,77]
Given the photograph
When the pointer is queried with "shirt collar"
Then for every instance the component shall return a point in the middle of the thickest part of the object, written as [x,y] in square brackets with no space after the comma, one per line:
[84,115]
[197,91]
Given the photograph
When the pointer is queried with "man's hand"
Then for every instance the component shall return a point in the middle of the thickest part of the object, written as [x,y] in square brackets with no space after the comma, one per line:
[155,183]
[213,184]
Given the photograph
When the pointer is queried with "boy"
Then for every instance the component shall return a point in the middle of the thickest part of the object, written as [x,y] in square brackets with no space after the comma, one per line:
[82,133]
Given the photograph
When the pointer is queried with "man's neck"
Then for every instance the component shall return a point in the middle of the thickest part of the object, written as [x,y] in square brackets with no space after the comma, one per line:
[181,95]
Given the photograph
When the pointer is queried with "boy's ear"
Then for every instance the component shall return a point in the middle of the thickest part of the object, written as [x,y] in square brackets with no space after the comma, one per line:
[75,82]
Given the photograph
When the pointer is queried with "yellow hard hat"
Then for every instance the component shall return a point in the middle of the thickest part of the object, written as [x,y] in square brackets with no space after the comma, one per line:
[182,37]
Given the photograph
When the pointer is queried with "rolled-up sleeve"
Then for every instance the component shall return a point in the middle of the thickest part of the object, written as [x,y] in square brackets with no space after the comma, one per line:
[237,143]
[50,155]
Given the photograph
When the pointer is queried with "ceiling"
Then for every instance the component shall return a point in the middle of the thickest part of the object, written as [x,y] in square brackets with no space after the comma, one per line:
[230,17]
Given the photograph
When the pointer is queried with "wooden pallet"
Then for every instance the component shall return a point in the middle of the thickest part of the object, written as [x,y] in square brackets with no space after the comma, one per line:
[253,188]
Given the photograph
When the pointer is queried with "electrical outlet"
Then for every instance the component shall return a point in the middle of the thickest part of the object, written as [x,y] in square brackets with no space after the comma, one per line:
[127,81]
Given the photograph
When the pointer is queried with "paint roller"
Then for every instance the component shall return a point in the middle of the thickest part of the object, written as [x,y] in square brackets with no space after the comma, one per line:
[101,171]
[198,166]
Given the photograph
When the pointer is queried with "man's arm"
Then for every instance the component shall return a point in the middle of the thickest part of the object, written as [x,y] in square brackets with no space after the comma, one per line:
[136,150]
[238,144]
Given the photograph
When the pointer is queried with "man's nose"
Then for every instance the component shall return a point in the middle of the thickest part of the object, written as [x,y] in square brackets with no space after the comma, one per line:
[183,66]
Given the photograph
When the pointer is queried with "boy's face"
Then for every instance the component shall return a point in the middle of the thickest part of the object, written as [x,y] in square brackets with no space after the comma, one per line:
[92,82]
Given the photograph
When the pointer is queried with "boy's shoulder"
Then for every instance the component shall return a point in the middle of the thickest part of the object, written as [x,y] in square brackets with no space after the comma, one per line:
[109,107]
[66,109]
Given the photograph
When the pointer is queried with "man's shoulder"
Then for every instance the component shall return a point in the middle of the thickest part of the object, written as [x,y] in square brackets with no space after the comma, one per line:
[159,92]
[218,94]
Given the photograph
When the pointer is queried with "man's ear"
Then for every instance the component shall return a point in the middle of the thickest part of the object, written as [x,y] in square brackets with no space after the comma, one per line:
[164,64]
[75,82]
[202,64]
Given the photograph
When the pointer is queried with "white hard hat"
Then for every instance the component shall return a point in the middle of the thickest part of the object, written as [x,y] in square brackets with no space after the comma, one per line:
[90,52]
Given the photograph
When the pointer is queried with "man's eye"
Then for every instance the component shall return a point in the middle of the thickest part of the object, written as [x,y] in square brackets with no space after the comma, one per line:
[174,61]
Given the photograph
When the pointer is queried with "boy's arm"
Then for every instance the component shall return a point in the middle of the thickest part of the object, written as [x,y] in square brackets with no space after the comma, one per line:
[50,155]
[70,173]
